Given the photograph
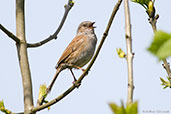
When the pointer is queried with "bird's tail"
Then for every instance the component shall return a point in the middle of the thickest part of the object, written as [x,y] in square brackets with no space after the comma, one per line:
[58,70]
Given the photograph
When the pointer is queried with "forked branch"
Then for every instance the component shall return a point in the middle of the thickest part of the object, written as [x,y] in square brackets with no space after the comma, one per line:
[54,36]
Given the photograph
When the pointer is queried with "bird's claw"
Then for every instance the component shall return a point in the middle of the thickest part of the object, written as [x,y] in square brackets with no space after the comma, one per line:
[77,85]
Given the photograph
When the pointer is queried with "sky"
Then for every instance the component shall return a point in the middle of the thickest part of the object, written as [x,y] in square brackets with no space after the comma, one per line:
[107,79]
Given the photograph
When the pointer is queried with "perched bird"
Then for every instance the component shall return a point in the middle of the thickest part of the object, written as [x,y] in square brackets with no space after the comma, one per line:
[79,52]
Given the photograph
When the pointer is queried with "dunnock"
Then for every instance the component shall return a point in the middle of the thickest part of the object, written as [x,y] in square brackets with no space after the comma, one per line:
[79,51]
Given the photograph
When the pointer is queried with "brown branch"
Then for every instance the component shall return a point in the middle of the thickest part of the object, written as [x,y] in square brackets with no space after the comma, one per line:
[23,57]
[166,65]
[38,108]
[129,56]
[9,34]
[54,36]
[153,22]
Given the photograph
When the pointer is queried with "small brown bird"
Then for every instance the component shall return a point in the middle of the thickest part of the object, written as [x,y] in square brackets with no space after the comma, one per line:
[79,51]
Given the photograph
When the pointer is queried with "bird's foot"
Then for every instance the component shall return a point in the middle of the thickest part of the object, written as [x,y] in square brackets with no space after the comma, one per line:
[77,85]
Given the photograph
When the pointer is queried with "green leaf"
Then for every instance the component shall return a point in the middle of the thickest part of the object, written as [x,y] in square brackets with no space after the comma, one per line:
[151,10]
[121,53]
[161,45]
[114,107]
[3,109]
[1,104]
[117,109]
[131,108]
[165,50]
[141,1]
[166,83]
[144,3]
[162,80]
[42,92]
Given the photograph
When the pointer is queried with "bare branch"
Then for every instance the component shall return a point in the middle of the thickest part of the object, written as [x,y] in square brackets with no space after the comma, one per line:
[23,57]
[38,108]
[166,65]
[11,35]
[129,56]
[153,22]
[54,36]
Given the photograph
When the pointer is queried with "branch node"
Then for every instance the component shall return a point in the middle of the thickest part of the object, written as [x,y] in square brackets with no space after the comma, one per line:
[157,16]
[132,86]
[55,37]
[164,65]
[127,36]
[105,34]
[133,54]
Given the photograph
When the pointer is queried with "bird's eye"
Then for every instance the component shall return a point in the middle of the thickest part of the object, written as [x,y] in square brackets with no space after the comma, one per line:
[84,25]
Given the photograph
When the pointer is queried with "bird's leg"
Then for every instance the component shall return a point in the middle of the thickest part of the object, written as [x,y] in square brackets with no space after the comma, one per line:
[75,66]
[77,85]
[73,75]
[78,68]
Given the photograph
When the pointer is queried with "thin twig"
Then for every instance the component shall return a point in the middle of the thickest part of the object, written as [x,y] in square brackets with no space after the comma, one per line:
[166,65]
[153,22]
[54,36]
[38,108]
[10,34]
[129,56]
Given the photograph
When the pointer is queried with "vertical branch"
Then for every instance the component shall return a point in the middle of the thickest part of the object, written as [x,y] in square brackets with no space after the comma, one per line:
[23,58]
[130,55]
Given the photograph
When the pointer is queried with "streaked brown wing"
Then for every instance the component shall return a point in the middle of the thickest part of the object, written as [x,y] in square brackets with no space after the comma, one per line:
[73,46]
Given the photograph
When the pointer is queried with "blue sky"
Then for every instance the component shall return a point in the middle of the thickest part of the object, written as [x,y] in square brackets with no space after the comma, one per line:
[107,80]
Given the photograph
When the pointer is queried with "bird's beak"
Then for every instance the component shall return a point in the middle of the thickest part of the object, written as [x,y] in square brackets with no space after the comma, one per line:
[93,24]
